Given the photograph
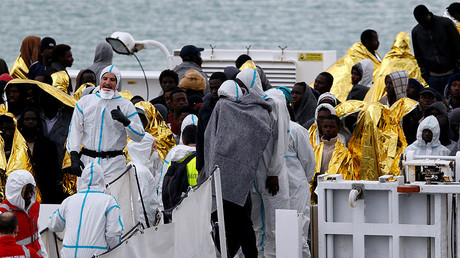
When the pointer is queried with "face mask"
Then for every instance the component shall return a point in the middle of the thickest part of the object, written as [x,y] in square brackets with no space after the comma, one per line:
[107,93]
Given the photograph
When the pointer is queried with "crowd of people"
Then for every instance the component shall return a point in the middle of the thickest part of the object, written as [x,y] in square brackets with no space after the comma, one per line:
[62,141]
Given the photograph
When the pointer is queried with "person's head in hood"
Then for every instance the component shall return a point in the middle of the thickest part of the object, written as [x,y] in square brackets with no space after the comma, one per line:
[109,80]
[362,73]
[414,87]
[323,82]
[20,189]
[230,90]
[330,127]
[193,81]
[428,132]
[444,128]
[428,96]
[249,79]
[454,118]
[141,152]
[327,97]
[30,49]
[92,178]
[395,85]
[356,74]
[103,54]
[163,111]
[321,112]
[102,58]
[303,102]
[143,117]
[297,94]
[86,76]
[436,109]
[231,72]
[190,119]
[453,88]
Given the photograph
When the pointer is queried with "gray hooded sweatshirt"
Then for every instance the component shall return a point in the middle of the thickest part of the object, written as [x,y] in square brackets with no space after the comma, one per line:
[102,58]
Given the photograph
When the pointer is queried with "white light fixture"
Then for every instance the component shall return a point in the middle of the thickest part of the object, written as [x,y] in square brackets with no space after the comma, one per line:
[124,44]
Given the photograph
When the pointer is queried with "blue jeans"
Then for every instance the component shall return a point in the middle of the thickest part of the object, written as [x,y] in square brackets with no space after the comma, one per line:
[439,83]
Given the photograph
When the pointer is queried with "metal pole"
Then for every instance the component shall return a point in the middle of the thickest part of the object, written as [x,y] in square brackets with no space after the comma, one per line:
[220,213]
[134,196]
[162,48]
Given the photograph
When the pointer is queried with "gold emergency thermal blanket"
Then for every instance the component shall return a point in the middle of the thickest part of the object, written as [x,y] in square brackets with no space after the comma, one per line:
[342,110]
[340,163]
[19,158]
[77,94]
[19,69]
[399,58]
[341,69]
[158,129]
[61,80]
[69,181]
[378,139]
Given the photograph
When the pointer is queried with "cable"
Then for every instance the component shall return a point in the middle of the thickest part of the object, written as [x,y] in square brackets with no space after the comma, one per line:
[145,77]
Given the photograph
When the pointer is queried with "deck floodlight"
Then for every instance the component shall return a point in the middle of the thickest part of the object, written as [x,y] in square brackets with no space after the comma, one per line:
[122,43]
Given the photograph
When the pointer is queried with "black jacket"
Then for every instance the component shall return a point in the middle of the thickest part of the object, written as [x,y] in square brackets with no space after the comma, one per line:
[436,49]
[204,114]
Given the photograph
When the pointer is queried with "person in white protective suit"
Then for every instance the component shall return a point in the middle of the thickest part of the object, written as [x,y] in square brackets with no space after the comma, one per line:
[101,122]
[427,142]
[141,157]
[91,219]
[271,187]
[177,153]
[300,162]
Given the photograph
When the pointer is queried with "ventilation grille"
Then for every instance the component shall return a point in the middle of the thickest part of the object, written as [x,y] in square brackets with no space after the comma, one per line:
[278,73]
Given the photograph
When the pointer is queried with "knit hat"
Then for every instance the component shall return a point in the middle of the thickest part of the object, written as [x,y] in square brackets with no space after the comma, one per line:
[193,80]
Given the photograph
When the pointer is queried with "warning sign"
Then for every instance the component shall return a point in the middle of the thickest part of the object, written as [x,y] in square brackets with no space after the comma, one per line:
[301,57]
[310,57]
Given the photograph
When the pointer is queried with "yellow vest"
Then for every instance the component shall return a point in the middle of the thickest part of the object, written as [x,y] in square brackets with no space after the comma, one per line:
[192,173]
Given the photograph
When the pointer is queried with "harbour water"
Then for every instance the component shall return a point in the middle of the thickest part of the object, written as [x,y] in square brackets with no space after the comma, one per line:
[233,24]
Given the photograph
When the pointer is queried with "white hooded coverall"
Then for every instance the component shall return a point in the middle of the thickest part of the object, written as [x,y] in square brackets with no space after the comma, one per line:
[91,218]
[434,148]
[141,158]
[300,162]
[92,125]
